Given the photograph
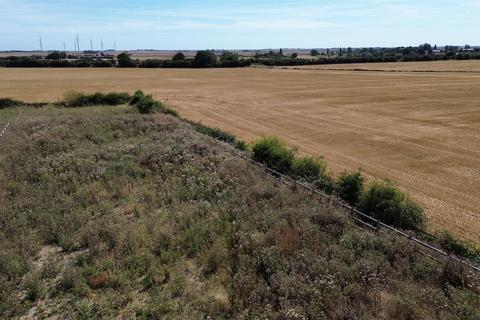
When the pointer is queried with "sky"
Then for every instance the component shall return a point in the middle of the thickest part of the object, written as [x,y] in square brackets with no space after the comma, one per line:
[248,24]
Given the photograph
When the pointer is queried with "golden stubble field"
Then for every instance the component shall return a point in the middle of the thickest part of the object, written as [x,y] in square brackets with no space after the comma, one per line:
[421,130]
[467,66]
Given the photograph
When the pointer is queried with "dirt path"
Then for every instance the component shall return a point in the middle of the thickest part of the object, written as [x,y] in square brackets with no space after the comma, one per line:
[421,130]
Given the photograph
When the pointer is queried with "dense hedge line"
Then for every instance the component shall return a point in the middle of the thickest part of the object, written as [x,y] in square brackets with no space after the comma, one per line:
[380,200]
[350,59]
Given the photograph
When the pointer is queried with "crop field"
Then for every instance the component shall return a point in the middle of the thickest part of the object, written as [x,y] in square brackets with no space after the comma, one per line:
[428,66]
[421,130]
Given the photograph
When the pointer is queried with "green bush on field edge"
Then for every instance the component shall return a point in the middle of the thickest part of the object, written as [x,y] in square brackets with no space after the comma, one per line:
[273,153]
[381,200]
[80,99]
[9,103]
[384,201]
[349,186]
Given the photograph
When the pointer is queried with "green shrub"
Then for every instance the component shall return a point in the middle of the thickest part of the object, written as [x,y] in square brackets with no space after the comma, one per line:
[147,104]
[137,96]
[325,183]
[349,186]
[308,168]
[273,153]
[215,133]
[388,204]
[79,99]
[9,103]
[219,134]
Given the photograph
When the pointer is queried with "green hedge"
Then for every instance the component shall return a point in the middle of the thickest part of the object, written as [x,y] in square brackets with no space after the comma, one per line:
[385,202]
[79,99]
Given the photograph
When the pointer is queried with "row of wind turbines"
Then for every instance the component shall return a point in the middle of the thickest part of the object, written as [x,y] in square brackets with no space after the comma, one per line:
[76,44]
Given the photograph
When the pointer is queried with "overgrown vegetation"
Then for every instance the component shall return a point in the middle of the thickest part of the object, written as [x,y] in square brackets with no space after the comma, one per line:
[146,104]
[219,134]
[80,99]
[380,200]
[106,213]
[458,247]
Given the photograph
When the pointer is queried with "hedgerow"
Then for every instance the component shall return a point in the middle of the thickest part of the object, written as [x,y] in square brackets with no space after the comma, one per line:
[79,99]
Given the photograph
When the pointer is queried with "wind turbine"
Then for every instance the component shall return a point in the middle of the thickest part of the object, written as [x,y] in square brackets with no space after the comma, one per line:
[64,47]
[101,43]
[40,41]
[78,43]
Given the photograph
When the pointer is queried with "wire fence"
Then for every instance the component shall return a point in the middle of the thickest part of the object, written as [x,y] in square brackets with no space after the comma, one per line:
[360,217]
[4,130]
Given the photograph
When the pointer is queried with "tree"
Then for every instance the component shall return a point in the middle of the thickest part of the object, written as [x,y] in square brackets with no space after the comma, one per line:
[124,61]
[228,56]
[56,55]
[314,53]
[178,56]
[294,55]
[204,59]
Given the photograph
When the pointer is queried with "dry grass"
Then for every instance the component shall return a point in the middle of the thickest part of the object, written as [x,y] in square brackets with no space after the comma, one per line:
[421,130]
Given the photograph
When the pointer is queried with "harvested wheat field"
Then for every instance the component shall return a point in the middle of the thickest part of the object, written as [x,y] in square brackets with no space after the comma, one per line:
[468,66]
[421,130]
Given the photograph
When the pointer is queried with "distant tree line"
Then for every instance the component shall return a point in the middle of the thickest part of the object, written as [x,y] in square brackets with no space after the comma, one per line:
[208,59]
[423,52]
[57,59]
